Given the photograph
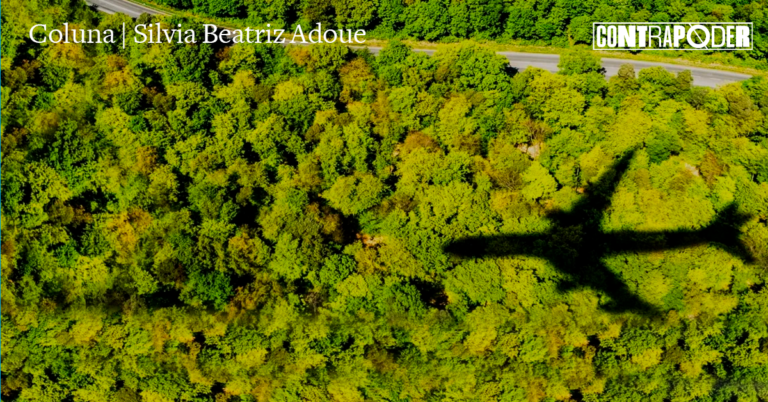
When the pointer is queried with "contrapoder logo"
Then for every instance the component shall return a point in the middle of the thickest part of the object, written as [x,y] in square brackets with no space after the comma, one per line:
[672,36]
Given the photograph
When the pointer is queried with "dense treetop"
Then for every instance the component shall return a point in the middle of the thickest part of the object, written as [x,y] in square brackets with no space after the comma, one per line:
[259,223]
[540,22]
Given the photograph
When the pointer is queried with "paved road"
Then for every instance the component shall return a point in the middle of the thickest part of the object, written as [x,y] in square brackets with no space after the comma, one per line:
[701,76]
[122,6]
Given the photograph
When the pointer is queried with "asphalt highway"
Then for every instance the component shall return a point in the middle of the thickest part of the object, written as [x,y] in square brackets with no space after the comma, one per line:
[122,6]
[701,76]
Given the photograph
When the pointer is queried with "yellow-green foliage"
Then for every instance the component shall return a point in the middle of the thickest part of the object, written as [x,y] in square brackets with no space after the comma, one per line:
[267,224]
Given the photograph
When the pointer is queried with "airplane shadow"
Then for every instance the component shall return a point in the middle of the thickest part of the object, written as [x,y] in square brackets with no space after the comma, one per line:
[576,244]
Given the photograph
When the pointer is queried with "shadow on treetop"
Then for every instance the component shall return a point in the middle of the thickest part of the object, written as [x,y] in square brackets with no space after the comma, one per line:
[576,244]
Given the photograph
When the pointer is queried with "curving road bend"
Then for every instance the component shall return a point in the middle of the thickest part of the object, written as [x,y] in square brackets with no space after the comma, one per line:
[701,76]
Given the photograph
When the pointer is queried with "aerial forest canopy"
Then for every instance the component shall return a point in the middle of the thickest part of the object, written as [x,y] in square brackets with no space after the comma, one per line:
[539,22]
[267,223]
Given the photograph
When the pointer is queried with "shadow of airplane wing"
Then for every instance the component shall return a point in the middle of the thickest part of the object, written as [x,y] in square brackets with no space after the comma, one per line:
[591,207]
[598,277]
